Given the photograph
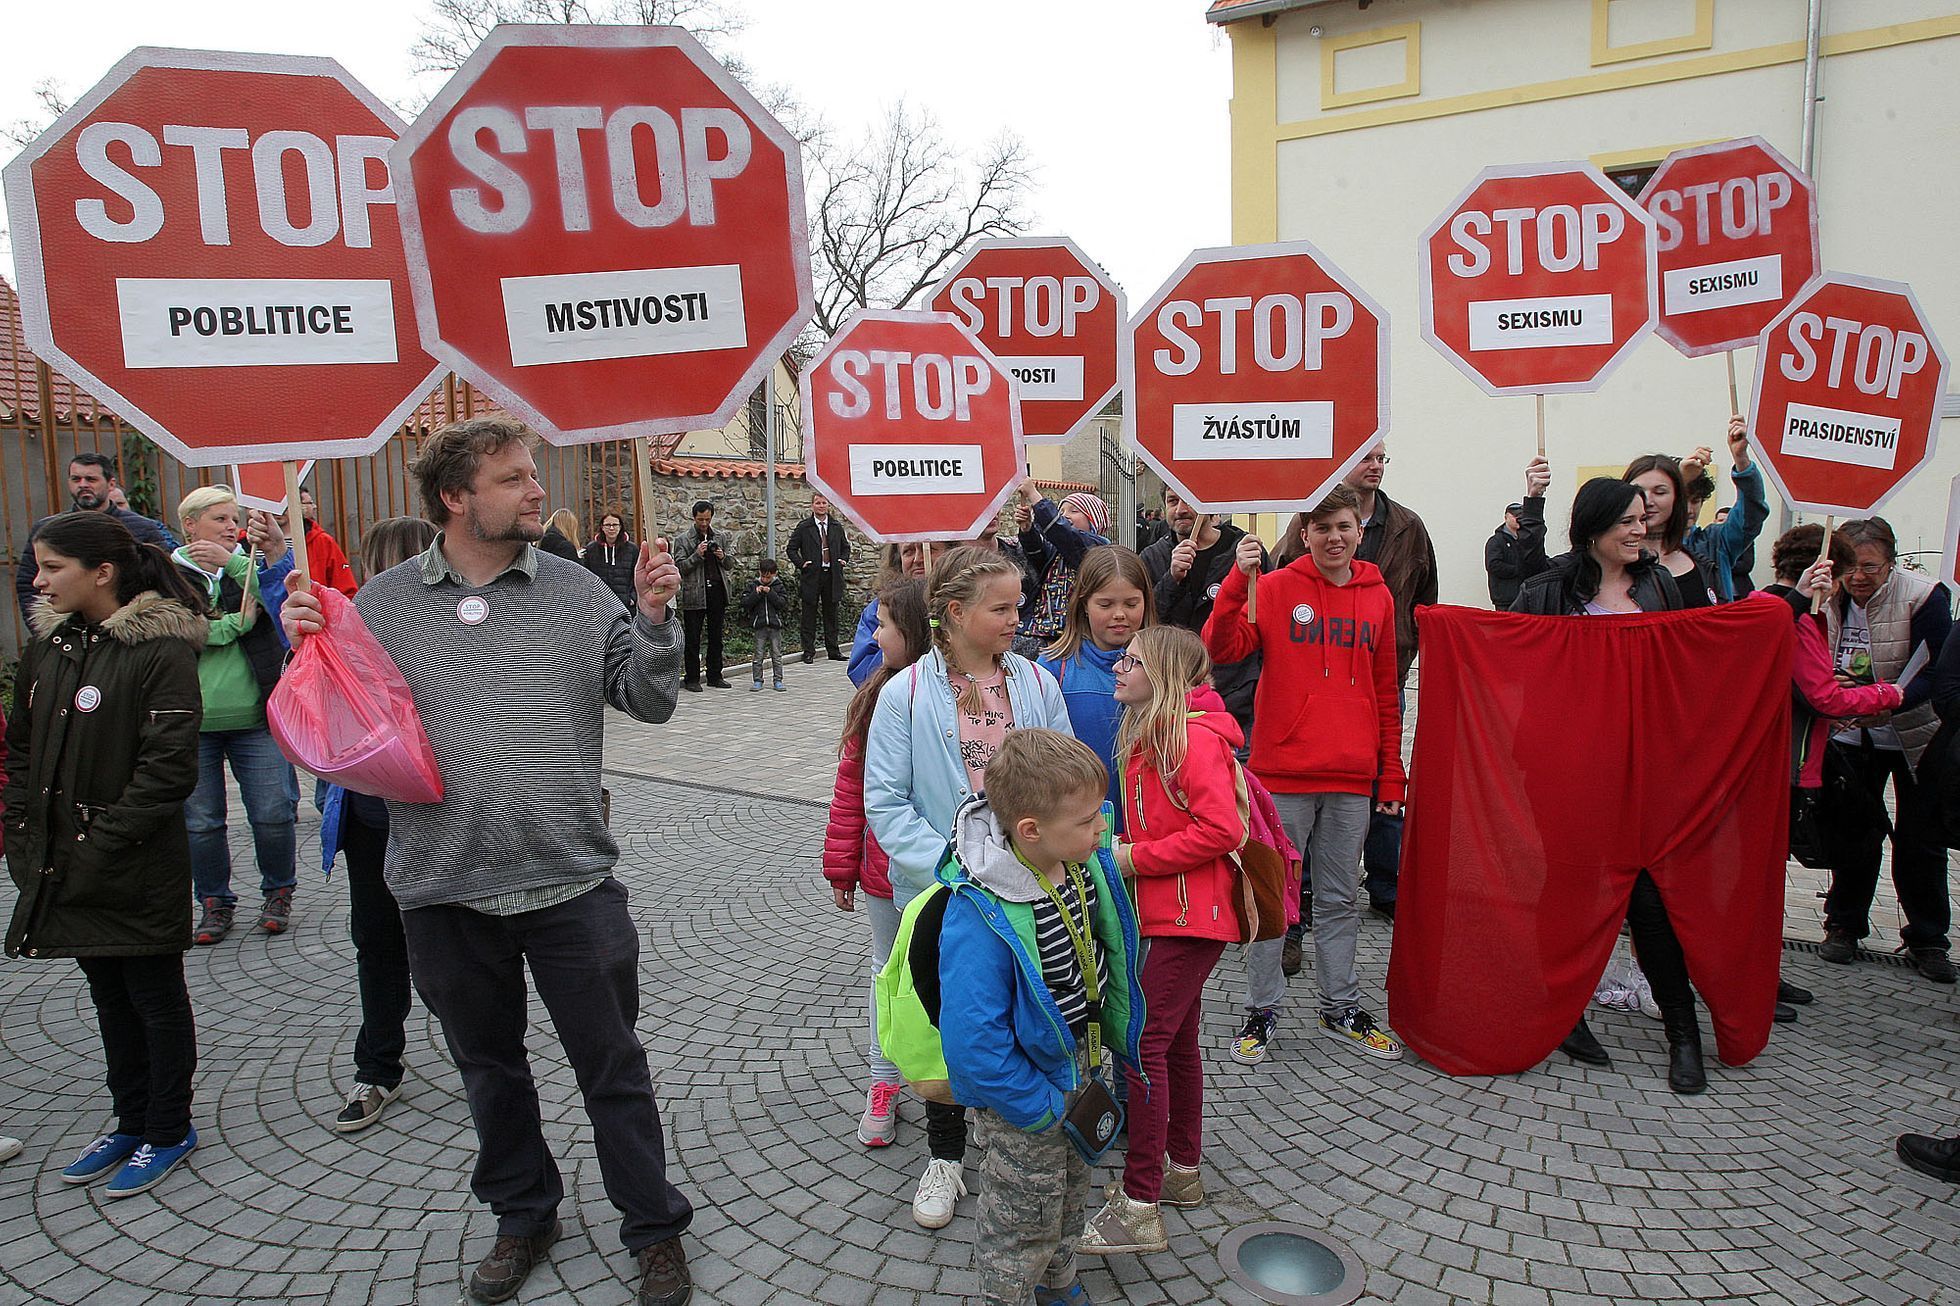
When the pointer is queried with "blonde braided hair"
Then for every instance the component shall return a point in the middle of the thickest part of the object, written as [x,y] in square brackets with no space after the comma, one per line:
[960,576]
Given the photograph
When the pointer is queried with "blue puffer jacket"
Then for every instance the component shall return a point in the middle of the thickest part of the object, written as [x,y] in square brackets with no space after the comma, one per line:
[1720,547]
[914,778]
[1007,1048]
[866,656]
[1088,682]
[338,805]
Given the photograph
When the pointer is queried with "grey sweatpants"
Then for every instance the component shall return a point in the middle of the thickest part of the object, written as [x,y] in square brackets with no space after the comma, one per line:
[769,639]
[1332,828]
[1031,1209]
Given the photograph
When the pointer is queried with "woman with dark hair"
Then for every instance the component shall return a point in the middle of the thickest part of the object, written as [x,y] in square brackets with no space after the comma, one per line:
[357,824]
[101,754]
[1609,571]
[612,555]
[1658,478]
[1876,622]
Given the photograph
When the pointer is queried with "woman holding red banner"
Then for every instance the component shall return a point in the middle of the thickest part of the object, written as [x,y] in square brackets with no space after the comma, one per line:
[1610,571]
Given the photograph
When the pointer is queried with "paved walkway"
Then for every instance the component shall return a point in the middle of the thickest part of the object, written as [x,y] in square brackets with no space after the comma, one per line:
[1561,1185]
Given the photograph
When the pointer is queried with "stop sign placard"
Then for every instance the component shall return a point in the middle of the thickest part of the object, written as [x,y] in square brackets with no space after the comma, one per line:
[1538,279]
[911,427]
[1849,382]
[1054,318]
[1736,237]
[209,242]
[1262,377]
[263,485]
[607,230]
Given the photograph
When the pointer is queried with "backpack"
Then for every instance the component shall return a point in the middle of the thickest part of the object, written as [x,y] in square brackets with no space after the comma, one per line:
[1267,895]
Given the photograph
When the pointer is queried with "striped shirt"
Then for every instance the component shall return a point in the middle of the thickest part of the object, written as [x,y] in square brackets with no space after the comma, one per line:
[1061,968]
[511,679]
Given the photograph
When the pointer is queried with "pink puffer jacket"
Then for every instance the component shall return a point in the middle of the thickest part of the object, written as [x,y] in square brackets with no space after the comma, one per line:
[851,855]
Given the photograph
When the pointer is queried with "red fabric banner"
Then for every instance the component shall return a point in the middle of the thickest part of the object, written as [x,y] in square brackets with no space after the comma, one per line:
[1555,758]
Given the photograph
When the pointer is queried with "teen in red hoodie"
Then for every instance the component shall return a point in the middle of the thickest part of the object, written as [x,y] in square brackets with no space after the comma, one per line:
[1326,734]
[1182,823]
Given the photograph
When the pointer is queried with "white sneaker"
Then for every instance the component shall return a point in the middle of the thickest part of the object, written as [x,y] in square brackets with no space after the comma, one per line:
[943,1184]
[9,1148]
[879,1123]
[1643,997]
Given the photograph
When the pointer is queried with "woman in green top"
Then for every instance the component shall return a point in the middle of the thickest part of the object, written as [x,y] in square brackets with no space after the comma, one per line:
[237,670]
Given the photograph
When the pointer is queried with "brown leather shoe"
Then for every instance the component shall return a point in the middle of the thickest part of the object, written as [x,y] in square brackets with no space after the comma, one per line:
[664,1280]
[499,1275]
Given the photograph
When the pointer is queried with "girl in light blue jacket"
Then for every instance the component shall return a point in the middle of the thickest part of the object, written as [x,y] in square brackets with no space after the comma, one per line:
[937,725]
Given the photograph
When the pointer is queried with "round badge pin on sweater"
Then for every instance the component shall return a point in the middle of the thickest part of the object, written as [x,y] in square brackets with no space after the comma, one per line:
[88,698]
[473,611]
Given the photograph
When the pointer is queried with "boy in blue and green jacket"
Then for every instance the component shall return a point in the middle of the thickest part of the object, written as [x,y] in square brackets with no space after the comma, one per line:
[1037,969]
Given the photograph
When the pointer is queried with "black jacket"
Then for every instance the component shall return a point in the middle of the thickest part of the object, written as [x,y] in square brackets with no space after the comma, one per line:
[1187,603]
[1511,560]
[613,564]
[145,531]
[765,610]
[1554,592]
[806,546]
[101,754]
[554,541]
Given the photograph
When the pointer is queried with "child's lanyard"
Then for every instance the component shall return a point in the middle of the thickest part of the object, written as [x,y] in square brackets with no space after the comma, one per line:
[1085,956]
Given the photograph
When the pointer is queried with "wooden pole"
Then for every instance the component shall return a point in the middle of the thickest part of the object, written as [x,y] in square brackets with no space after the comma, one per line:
[643,488]
[296,524]
[1735,401]
[1816,599]
[1541,425]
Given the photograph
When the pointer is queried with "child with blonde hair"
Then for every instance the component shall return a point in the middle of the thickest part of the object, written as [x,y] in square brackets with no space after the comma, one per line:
[937,725]
[1111,603]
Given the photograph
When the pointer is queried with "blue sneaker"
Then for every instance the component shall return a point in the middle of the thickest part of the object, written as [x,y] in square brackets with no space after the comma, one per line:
[101,1158]
[147,1168]
[1073,1295]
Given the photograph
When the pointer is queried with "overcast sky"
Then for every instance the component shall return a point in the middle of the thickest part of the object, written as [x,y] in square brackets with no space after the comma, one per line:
[1123,104]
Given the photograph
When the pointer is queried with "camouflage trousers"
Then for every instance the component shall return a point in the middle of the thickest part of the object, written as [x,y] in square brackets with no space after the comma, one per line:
[1032,1210]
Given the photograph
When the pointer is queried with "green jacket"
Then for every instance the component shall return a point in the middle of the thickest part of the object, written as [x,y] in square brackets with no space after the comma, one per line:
[233,699]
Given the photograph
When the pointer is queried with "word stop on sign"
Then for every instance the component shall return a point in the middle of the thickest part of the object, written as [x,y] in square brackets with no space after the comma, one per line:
[1855,358]
[910,388]
[1737,209]
[258,322]
[1557,238]
[1041,307]
[661,168]
[1288,333]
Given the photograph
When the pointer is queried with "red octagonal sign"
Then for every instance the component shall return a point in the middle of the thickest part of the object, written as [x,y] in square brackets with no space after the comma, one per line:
[1849,382]
[608,230]
[1539,279]
[1262,377]
[1736,235]
[209,242]
[911,427]
[1053,317]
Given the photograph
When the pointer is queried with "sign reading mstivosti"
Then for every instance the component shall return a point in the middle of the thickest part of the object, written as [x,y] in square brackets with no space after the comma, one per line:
[1053,318]
[1261,377]
[1538,279]
[911,427]
[607,230]
[1736,237]
[210,242]
[1849,381]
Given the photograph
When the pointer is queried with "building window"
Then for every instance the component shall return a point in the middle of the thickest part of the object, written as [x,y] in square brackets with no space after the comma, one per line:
[1633,179]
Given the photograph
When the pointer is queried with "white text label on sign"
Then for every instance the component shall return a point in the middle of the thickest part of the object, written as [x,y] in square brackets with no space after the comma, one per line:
[1040,306]
[1722,285]
[1839,436]
[1214,432]
[909,469]
[1548,323]
[641,313]
[172,322]
[690,154]
[1047,378]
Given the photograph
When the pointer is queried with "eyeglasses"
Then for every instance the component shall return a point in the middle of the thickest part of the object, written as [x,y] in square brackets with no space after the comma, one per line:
[1128,662]
[1381,458]
[1872,568]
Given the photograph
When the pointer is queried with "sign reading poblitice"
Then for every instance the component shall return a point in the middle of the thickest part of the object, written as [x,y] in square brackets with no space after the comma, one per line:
[1053,318]
[912,427]
[209,241]
[1261,377]
[1849,381]
[608,230]
[1736,238]
[1538,279]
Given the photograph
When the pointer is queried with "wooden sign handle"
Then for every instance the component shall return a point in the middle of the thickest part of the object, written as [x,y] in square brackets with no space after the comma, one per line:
[1735,401]
[296,524]
[1541,425]
[1816,599]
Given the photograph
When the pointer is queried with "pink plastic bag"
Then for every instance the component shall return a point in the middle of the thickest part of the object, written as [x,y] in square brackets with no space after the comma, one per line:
[343,712]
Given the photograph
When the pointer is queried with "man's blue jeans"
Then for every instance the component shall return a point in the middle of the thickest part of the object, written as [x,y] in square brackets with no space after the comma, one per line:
[271,793]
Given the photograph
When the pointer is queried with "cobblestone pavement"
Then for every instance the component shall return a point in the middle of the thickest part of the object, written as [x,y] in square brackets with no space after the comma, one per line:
[1564,1184]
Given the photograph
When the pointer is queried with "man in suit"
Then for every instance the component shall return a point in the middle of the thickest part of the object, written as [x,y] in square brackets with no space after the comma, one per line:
[818,551]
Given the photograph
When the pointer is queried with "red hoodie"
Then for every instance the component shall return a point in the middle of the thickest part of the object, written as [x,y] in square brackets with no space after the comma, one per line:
[1325,718]
[1182,837]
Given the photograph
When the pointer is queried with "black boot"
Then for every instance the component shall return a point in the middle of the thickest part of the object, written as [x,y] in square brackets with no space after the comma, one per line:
[1684,1069]
[1580,1045]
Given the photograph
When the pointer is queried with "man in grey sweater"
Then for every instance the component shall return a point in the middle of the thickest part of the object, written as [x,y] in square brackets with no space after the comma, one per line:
[512,655]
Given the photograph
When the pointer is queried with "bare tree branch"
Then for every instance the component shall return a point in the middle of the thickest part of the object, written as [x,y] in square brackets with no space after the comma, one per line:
[53,101]
[452,29]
